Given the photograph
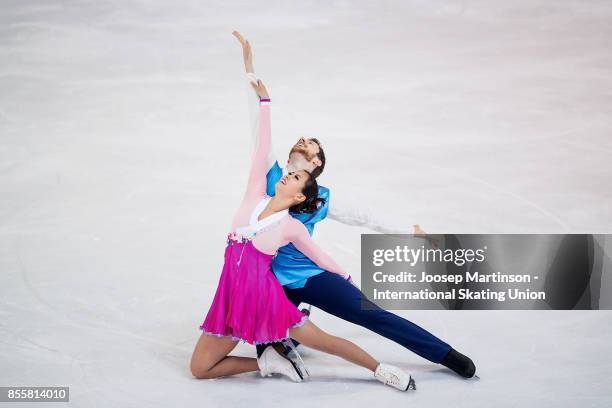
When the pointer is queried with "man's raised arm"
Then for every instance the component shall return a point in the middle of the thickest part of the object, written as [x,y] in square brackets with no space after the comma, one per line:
[252,96]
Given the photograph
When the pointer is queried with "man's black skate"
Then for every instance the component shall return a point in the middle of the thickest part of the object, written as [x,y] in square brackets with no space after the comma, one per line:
[459,363]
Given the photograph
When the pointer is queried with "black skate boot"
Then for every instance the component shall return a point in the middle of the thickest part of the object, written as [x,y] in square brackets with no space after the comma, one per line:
[459,363]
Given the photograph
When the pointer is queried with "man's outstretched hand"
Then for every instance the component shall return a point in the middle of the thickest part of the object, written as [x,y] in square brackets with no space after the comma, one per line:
[247,54]
[419,233]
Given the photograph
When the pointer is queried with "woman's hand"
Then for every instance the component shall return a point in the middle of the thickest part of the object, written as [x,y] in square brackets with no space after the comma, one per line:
[260,89]
[247,55]
[352,282]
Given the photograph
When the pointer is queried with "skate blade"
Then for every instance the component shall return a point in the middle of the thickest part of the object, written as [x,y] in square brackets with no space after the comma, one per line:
[296,359]
[299,364]
[297,370]
[411,384]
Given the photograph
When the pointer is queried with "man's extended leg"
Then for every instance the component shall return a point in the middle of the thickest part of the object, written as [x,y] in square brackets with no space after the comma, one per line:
[331,293]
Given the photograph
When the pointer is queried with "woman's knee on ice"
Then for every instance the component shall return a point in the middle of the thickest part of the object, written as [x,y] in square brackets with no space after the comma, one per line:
[200,369]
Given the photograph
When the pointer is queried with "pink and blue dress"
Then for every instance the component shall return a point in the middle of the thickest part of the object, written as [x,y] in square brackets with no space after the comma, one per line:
[249,303]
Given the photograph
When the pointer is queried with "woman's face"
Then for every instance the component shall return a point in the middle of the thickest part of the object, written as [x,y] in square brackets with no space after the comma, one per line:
[291,186]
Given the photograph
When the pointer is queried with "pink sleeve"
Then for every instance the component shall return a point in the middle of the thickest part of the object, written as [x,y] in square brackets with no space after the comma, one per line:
[298,235]
[259,165]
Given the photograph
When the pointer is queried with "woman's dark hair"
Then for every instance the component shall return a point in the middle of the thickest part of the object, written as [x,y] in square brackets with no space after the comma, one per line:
[312,201]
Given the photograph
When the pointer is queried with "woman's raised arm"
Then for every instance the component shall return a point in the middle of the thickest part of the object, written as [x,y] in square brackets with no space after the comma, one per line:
[257,174]
[247,55]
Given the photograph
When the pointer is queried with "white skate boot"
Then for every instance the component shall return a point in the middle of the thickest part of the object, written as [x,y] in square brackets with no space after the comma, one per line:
[292,353]
[271,362]
[394,376]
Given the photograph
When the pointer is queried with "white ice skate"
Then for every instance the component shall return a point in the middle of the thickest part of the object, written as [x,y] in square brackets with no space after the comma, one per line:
[271,362]
[395,377]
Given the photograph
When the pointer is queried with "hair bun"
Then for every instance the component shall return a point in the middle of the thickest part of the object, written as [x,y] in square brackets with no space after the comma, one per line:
[309,205]
[312,201]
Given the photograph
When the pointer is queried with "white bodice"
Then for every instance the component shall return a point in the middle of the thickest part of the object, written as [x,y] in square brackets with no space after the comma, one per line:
[255,225]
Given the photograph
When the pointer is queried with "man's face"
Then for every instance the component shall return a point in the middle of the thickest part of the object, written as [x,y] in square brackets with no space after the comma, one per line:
[306,148]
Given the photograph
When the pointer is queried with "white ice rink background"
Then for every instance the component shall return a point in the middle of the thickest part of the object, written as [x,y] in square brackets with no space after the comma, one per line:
[123,140]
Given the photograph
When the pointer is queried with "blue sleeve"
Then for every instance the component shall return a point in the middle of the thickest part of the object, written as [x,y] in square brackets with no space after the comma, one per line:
[274,174]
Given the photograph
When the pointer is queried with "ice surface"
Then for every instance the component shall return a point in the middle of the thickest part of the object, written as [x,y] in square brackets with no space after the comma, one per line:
[123,136]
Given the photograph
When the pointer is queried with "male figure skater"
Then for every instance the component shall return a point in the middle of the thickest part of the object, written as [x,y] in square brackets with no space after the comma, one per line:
[304,282]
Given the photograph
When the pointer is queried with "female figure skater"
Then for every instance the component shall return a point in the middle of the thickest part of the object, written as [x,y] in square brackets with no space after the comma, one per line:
[249,302]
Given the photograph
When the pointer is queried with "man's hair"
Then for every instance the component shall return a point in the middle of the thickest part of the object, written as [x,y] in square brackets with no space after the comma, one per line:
[316,172]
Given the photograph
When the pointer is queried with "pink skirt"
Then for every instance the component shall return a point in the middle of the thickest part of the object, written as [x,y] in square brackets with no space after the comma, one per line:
[250,304]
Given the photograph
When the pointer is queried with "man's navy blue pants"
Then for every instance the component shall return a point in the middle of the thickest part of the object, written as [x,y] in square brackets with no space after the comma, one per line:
[330,292]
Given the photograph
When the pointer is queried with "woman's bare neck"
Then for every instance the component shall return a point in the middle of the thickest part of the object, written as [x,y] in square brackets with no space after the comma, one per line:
[276,204]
